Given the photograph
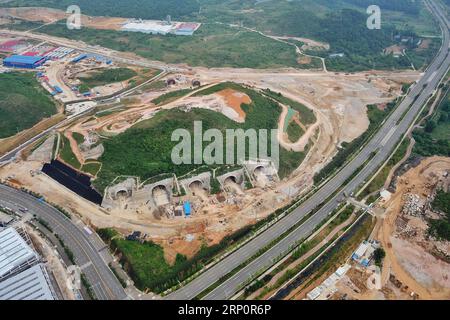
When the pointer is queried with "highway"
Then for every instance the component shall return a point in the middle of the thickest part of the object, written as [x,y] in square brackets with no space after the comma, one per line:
[89,252]
[382,144]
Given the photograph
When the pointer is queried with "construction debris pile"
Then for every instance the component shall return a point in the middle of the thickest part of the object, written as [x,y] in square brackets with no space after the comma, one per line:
[414,206]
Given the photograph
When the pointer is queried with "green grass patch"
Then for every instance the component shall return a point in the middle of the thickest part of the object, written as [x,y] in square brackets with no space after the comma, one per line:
[421,58]
[294,131]
[103,77]
[79,138]
[145,262]
[155,85]
[92,168]
[171,96]
[23,103]
[66,153]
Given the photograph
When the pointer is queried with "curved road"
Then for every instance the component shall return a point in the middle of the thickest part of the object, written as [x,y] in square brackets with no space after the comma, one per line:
[381,145]
[87,249]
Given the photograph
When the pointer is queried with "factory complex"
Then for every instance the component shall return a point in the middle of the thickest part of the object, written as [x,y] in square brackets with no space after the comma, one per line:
[57,68]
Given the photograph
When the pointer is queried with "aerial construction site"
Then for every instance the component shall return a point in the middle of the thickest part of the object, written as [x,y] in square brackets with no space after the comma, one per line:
[101,154]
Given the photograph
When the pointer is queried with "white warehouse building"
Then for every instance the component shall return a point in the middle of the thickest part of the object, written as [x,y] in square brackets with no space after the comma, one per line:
[22,276]
[150,27]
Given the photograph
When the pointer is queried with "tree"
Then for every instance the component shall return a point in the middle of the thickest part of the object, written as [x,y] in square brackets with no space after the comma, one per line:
[378,256]
[430,126]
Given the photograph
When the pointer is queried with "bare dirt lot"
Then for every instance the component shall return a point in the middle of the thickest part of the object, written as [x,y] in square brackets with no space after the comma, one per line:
[48,15]
[235,99]
[410,254]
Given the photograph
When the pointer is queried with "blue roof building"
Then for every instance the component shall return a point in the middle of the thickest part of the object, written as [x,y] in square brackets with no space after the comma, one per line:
[24,62]
[79,58]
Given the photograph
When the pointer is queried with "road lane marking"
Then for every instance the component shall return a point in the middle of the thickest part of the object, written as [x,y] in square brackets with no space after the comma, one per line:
[86,265]
[388,136]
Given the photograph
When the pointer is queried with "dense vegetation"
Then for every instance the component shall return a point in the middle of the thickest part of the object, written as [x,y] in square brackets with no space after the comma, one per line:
[148,144]
[434,138]
[340,23]
[347,33]
[441,228]
[379,255]
[145,263]
[107,76]
[23,103]
[145,9]
[406,6]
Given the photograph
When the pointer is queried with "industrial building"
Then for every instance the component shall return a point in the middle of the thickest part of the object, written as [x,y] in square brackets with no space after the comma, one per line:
[150,27]
[31,284]
[161,27]
[15,253]
[22,276]
[24,62]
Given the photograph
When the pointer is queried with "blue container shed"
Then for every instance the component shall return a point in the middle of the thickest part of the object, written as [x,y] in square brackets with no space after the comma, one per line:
[187,208]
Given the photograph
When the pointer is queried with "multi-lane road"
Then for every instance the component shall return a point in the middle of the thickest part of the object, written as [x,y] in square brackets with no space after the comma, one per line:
[381,146]
[90,253]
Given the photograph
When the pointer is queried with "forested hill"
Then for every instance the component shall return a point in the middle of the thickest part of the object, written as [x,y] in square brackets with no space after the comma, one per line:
[347,32]
[406,6]
[145,9]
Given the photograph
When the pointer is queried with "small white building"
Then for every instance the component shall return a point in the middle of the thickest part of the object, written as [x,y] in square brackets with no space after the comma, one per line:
[385,195]
[359,253]
[314,294]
